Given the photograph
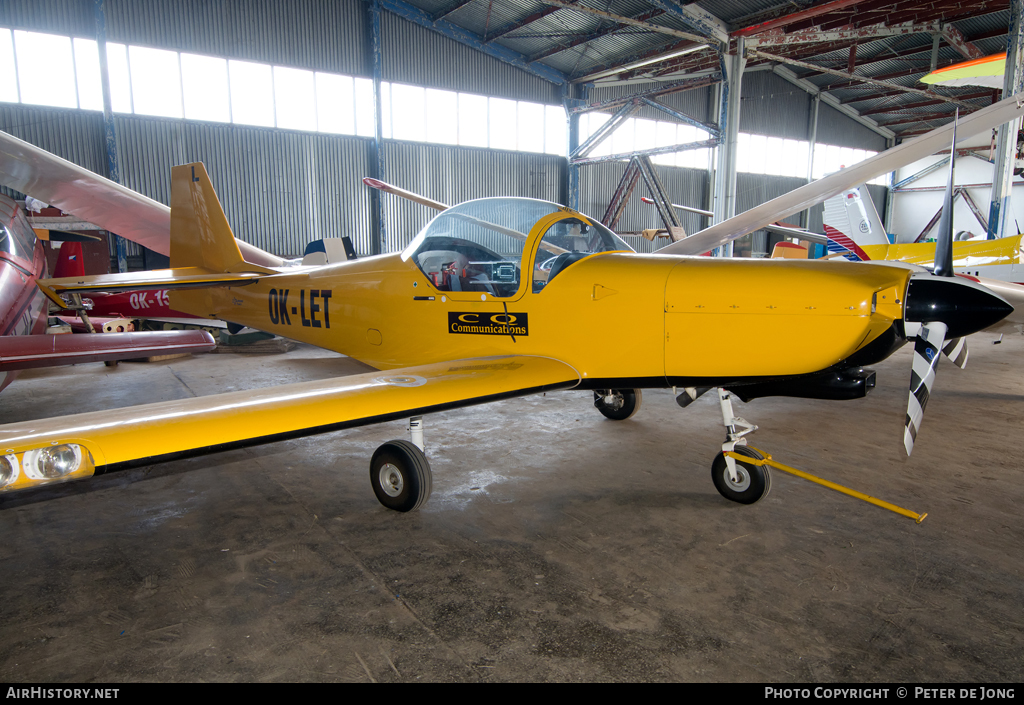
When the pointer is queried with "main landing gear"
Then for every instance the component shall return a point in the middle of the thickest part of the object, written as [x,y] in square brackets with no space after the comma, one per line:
[618,404]
[400,473]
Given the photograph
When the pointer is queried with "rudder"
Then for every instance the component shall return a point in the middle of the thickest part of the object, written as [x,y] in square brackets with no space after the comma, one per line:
[200,233]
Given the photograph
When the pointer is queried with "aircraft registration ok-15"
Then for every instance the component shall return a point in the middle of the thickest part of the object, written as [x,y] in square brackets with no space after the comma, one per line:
[499,298]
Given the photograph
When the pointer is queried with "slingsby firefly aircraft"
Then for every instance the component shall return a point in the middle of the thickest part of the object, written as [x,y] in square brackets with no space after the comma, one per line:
[499,298]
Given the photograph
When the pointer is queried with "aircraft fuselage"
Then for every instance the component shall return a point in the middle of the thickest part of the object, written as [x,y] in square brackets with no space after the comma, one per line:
[621,319]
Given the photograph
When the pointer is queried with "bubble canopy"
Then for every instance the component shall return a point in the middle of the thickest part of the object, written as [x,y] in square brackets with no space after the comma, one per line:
[479,245]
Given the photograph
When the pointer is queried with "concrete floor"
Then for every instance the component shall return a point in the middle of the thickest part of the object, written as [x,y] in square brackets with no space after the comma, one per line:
[557,546]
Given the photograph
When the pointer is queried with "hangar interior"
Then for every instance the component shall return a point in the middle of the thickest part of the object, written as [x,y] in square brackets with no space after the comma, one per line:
[532,562]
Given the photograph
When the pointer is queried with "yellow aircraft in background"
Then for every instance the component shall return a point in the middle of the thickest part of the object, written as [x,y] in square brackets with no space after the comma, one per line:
[499,298]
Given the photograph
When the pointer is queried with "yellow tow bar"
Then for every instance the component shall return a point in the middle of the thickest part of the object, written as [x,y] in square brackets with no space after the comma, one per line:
[918,518]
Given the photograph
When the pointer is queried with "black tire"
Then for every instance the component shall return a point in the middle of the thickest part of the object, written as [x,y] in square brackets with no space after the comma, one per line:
[400,475]
[618,404]
[755,481]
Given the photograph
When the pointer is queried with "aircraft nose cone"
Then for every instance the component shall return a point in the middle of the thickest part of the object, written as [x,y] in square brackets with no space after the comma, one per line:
[964,306]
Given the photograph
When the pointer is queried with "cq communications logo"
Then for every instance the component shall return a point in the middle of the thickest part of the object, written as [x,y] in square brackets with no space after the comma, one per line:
[477,323]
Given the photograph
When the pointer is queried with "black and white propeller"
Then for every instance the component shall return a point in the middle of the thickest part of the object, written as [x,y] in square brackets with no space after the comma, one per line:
[940,311]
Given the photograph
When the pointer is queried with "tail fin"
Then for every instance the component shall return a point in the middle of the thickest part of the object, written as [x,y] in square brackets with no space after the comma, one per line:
[200,234]
[851,222]
[70,262]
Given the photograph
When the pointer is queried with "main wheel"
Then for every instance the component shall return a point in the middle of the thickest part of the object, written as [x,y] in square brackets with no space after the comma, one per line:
[752,481]
[400,475]
[618,404]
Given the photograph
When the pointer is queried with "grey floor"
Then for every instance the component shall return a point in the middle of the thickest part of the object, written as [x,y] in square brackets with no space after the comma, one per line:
[557,545]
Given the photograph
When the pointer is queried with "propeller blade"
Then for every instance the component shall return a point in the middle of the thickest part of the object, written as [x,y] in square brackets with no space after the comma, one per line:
[956,351]
[922,377]
[944,243]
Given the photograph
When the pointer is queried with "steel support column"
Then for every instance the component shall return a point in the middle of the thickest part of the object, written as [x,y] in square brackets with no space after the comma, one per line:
[805,218]
[729,120]
[572,175]
[378,234]
[1006,141]
[109,132]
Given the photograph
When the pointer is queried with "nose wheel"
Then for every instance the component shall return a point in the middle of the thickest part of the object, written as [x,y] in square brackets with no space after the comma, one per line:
[735,480]
[750,482]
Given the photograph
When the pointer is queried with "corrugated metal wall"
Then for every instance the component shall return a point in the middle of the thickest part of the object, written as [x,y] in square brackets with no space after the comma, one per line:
[773,106]
[836,128]
[281,189]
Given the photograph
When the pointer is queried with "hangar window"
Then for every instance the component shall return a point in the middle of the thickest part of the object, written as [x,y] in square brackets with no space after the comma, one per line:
[46,69]
[334,100]
[295,99]
[156,82]
[205,88]
[252,93]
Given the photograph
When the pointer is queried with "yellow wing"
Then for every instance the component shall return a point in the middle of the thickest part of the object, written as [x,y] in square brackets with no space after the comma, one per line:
[69,447]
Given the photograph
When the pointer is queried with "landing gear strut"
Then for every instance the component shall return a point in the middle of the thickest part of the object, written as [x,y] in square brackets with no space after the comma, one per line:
[735,480]
[400,473]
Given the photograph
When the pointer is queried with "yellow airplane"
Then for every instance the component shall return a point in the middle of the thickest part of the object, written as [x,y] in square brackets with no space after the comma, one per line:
[499,298]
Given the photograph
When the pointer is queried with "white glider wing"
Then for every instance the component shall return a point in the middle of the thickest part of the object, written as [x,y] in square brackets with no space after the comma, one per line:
[851,177]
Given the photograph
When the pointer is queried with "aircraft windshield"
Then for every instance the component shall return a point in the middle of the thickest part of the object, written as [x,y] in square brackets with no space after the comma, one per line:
[478,245]
[567,242]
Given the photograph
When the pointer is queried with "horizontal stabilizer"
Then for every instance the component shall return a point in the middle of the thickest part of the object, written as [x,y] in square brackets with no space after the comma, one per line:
[178,278]
[133,436]
[22,352]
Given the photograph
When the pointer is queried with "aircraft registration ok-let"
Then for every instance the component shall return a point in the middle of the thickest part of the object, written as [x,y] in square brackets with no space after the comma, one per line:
[499,298]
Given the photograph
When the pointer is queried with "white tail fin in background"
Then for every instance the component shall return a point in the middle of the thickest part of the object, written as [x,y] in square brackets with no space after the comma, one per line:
[851,222]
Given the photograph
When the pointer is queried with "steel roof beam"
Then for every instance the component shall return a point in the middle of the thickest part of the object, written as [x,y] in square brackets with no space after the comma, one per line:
[863,79]
[922,104]
[697,19]
[871,96]
[639,60]
[445,11]
[705,144]
[683,117]
[922,118]
[518,24]
[879,58]
[809,13]
[585,38]
[881,78]
[604,131]
[636,23]
[464,36]
[860,34]
[955,38]
[842,17]
[665,89]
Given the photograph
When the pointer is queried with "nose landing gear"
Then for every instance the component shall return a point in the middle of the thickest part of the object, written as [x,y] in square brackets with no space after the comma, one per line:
[741,482]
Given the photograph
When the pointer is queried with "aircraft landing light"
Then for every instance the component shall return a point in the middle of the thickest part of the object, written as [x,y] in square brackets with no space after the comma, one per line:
[918,518]
[57,462]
